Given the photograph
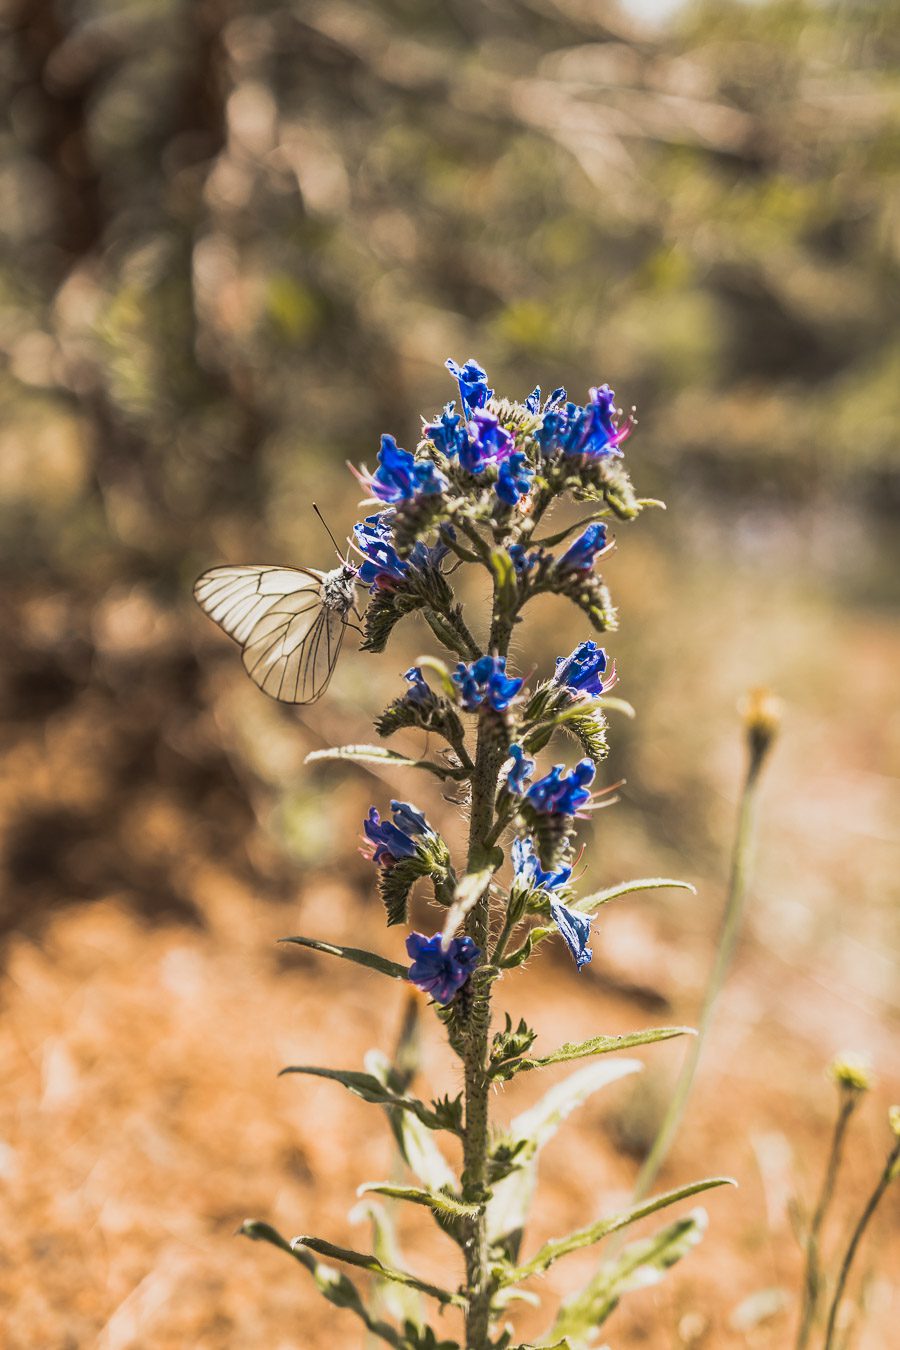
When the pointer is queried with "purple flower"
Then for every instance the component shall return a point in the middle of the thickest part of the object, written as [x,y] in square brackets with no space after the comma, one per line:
[418,691]
[590,430]
[400,476]
[392,841]
[514,479]
[472,381]
[579,557]
[486,681]
[436,971]
[533,401]
[555,795]
[575,928]
[528,870]
[486,443]
[383,567]
[581,672]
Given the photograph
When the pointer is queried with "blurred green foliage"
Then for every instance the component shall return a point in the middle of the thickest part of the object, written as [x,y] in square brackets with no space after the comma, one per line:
[240,238]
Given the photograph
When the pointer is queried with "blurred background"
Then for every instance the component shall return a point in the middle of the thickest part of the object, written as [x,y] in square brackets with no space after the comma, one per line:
[238,240]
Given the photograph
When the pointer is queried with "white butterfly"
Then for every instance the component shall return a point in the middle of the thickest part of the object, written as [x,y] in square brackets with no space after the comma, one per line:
[289,621]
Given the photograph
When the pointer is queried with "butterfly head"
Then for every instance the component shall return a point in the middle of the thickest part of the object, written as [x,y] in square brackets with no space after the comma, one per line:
[339,587]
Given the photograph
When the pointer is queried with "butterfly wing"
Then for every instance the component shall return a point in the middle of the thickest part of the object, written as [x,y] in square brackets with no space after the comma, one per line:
[290,638]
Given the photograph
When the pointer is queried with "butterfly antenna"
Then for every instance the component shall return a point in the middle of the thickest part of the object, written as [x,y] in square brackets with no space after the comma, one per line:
[328,531]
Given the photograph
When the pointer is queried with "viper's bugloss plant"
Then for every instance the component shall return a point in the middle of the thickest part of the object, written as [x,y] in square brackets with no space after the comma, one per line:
[477,492]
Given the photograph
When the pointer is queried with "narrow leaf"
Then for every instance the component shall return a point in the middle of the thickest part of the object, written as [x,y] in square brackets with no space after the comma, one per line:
[638,1265]
[437,1201]
[468,892]
[597,1045]
[332,1284]
[366,1086]
[366,1261]
[551,1251]
[415,1141]
[588,903]
[379,754]
[528,1133]
[398,1301]
[356,954]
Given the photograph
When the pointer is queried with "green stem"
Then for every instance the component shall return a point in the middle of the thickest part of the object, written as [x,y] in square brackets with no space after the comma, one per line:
[740,869]
[887,1176]
[813,1273]
[489,756]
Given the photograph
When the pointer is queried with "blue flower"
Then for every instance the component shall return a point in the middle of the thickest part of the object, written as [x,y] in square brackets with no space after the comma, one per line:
[486,443]
[449,434]
[579,557]
[514,479]
[521,561]
[528,870]
[533,401]
[383,567]
[575,430]
[438,972]
[400,476]
[418,691]
[486,681]
[575,928]
[392,841]
[472,381]
[558,796]
[581,672]
[521,771]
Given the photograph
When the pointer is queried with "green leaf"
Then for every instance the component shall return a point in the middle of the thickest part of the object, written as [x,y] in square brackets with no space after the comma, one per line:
[556,1248]
[638,1265]
[597,1045]
[368,1087]
[447,1206]
[369,1262]
[415,1141]
[398,1301]
[380,754]
[610,703]
[527,1134]
[332,1284]
[506,582]
[510,1043]
[588,903]
[469,891]
[356,954]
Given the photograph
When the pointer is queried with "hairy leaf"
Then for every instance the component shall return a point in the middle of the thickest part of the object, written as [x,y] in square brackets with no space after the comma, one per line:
[447,1206]
[528,1133]
[399,1301]
[640,1264]
[415,1141]
[367,1261]
[588,903]
[332,1284]
[368,1087]
[469,891]
[380,754]
[356,954]
[597,1045]
[556,1248]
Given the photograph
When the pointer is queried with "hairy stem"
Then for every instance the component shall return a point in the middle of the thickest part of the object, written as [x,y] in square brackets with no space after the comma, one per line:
[887,1176]
[489,756]
[813,1273]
